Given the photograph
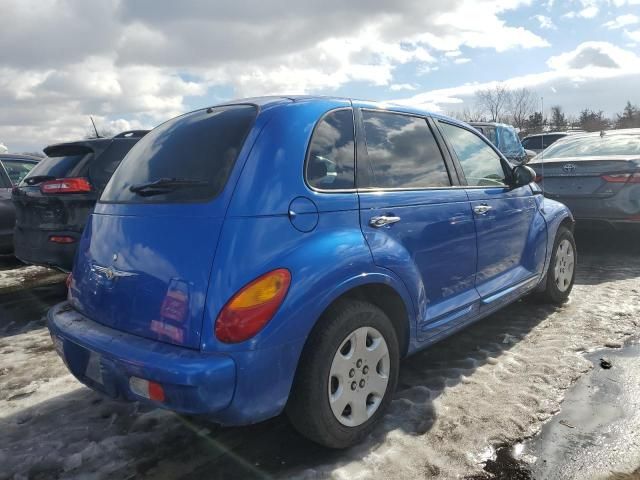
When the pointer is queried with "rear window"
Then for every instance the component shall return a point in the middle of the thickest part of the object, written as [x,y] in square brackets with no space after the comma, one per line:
[402,152]
[197,151]
[17,169]
[61,162]
[595,146]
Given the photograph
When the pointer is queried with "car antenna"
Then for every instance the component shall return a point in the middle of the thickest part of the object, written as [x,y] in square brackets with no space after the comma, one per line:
[542,153]
[94,127]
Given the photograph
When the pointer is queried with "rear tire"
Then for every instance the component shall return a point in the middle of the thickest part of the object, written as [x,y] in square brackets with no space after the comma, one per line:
[562,269]
[347,375]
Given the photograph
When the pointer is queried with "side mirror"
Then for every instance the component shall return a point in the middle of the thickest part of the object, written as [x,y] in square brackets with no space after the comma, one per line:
[523,175]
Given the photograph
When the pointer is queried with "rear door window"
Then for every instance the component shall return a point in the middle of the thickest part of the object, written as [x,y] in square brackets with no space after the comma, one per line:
[402,152]
[480,163]
[195,152]
[61,162]
[331,160]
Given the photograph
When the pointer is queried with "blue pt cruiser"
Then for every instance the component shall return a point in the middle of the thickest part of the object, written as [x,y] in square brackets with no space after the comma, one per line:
[283,254]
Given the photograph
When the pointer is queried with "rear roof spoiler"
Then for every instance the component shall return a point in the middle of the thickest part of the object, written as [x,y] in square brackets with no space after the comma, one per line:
[132,134]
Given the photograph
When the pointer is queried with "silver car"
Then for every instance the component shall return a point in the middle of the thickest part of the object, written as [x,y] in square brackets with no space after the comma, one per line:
[597,175]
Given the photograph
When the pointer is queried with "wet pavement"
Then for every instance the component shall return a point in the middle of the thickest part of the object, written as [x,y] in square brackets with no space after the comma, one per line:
[75,433]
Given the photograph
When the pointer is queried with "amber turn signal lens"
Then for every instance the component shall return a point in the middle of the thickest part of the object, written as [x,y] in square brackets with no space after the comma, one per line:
[252,307]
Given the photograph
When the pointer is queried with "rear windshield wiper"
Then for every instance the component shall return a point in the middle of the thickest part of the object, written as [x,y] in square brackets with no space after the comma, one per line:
[37,179]
[164,185]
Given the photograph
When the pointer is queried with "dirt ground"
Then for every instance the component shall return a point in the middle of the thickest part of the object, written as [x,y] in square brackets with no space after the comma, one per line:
[496,384]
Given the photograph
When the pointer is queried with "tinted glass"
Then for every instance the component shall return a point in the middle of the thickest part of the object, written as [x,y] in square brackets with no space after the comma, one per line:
[532,143]
[480,164]
[595,146]
[101,168]
[509,142]
[200,147]
[402,152]
[61,162]
[330,165]
[17,169]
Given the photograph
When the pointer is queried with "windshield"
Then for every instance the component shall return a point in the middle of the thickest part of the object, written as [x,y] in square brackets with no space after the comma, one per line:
[201,146]
[509,143]
[595,146]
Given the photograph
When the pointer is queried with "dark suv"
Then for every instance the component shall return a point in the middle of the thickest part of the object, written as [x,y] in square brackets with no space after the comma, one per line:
[54,200]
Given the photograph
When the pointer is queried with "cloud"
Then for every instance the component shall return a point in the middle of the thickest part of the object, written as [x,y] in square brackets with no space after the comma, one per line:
[462,60]
[545,22]
[596,75]
[634,36]
[622,21]
[143,61]
[589,12]
[396,87]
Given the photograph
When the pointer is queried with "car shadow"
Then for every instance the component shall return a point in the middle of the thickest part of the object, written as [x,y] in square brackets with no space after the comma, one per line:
[607,255]
[19,308]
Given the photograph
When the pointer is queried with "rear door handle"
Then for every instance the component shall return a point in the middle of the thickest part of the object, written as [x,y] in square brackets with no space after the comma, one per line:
[383,220]
[482,209]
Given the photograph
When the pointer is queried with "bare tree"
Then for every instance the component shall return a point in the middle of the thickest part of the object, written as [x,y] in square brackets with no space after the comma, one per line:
[493,101]
[522,104]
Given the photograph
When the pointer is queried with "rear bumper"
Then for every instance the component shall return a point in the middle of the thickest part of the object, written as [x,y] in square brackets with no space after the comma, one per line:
[611,209]
[33,246]
[105,359]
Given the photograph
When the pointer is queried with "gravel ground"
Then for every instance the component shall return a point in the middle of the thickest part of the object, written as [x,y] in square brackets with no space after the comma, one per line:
[494,384]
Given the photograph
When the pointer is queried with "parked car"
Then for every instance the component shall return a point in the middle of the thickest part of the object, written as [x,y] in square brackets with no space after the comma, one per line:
[12,169]
[53,201]
[539,141]
[227,270]
[597,175]
[506,139]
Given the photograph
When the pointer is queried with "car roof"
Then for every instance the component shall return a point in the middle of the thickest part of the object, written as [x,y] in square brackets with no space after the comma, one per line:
[19,156]
[267,102]
[545,134]
[98,141]
[490,124]
[621,131]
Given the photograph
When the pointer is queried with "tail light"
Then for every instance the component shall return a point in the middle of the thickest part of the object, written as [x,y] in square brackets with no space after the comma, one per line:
[538,178]
[64,239]
[622,178]
[252,307]
[66,185]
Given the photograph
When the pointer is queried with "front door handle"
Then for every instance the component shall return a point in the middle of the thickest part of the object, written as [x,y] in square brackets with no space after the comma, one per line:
[482,209]
[383,220]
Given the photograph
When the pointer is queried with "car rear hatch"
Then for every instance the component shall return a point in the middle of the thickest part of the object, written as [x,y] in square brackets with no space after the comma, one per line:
[594,177]
[54,199]
[144,261]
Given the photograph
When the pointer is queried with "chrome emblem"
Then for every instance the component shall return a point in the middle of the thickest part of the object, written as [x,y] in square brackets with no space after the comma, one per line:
[569,168]
[112,273]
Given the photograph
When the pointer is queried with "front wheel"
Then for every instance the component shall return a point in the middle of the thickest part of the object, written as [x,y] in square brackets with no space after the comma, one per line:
[347,375]
[562,269]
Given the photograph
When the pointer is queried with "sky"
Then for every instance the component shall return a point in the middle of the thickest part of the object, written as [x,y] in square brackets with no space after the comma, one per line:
[136,63]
